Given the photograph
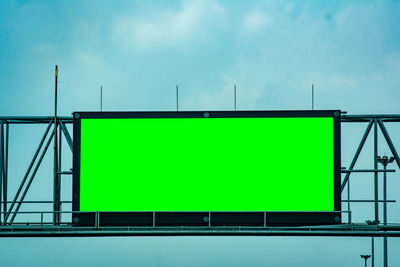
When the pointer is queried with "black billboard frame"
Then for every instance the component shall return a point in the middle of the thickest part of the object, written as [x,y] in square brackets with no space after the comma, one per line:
[207,218]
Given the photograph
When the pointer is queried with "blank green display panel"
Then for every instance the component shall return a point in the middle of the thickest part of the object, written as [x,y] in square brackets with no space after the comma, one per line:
[211,162]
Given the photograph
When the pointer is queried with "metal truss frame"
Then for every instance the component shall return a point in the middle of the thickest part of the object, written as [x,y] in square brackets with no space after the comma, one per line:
[57,131]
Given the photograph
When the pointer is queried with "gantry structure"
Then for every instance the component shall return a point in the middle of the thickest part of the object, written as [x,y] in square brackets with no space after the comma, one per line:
[57,131]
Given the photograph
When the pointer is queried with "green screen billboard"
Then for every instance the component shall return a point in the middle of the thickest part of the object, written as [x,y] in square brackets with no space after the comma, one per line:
[201,162]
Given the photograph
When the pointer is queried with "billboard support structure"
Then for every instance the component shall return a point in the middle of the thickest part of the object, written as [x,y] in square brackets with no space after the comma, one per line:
[374,120]
[9,210]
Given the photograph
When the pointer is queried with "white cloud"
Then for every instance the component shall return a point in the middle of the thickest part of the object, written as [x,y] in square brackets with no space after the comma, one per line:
[221,95]
[85,57]
[217,99]
[194,20]
[255,21]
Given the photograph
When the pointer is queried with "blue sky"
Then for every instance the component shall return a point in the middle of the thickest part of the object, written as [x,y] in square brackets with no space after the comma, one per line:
[139,50]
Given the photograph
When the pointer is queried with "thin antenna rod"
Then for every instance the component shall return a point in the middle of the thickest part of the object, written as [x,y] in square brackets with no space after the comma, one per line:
[55,94]
[234,96]
[101,98]
[56,185]
[312,96]
[177,98]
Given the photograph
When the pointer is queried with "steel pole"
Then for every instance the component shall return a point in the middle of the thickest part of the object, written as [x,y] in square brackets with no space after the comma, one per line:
[56,184]
[59,168]
[3,167]
[385,253]
[1,162]
[372,252]
[5,177]
[348,203]
[376,173]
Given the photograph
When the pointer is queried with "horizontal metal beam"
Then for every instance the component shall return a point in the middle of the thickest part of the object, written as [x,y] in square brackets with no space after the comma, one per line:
[371,116]
[344,117]
[65,172]
[367,170]
[69,201]
[39,202]
[365,200]
[70,231]
[366,120]
[34,119]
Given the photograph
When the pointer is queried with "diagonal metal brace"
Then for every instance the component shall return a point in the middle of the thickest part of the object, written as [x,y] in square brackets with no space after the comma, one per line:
[353,162]
[31,179]
[67,135]
[27,172]
[389,142]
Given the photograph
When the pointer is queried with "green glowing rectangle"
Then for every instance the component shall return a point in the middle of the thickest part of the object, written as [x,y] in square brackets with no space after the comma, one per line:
[207,163]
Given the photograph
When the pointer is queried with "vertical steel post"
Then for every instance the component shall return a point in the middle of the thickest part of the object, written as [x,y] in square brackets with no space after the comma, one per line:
[385,161]
[59,170]
[1,163]
[384,196]
[348,202]
[385,254]
[56,185]
[96,218]
[376,173]
[5,177]
[372,252]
